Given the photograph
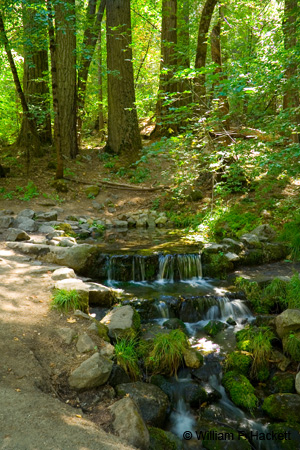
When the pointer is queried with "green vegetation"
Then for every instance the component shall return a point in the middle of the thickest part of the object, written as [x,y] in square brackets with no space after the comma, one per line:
[67,301]
[238,362]
[291,345]
[240,390]
[166,354]
[127,357]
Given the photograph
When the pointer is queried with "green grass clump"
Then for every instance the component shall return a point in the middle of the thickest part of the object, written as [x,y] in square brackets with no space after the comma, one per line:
[291,235]
[292,346]
[127,357]
[239,362]
[66,301]
[293,292]
[240,390]
[253,293]
[166,354]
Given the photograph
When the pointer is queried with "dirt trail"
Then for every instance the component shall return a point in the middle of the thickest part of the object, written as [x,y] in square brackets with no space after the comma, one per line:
[31,419]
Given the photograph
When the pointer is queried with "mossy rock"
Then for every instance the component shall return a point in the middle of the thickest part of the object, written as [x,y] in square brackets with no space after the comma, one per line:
[292,433]
[92,191]
[103,331]
[284,407]
[60,185]
[282,383]
[175,324]
[252,257]
[195,395]
[163,440]
[66,227]
[240,390]
[216,266]
[220,438]
[192,358]
[214,327]
[291,345]
[239,362]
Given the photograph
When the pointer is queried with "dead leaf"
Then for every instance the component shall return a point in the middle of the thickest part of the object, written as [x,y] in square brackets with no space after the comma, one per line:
[71,320]
[78,415]
[18,390]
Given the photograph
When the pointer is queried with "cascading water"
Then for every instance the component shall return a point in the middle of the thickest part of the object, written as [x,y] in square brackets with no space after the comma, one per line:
[225,308]
[180,267]
[138,268]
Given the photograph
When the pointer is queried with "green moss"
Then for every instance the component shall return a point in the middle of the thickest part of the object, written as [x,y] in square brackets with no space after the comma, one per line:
[291,346]
[283,383]
[136,321]
[218,266]
[214,327]
[66,227]
[284,407]
[163,440]
[240,390]
[238,362]
[294,434]
[103,331]
[230,436]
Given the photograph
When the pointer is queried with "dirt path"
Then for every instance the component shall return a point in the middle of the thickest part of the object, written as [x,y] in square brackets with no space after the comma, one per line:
[30,415]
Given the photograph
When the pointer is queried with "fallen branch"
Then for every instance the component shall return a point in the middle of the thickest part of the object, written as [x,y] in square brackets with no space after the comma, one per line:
[121,185]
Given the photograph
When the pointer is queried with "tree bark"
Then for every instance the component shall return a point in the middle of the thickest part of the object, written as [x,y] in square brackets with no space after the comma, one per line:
[201,51]
[123,130]
[291,94]
[167,85]
[65,56]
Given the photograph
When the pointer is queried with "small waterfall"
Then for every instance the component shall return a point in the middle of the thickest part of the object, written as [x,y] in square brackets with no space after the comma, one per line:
[138,268]
[111,265]
[182,419]
[163,309]
[179,267]
[224,308]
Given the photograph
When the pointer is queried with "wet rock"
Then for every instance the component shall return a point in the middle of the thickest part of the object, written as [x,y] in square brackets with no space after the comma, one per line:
[63,273]
[194,395]
[164,384]
[122,322]
[193,359]
[288,320]
[100,295]
[129,425]
[214,327]
[175,324]
[93,372]
[66,334]
[283,407]
[231,321]
[118,376]
[151,401]
[85,343]
[15,234]
[282,383]
[164,440]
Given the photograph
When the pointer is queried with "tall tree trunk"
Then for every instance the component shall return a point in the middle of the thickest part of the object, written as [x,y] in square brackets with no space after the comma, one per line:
[183,61]
[201,52]
[65,56]
[123,130]
[290,31]
[35,85]
[167,85]
[100,90]
[91,34]
[223,105]
[33,141]
[57,138]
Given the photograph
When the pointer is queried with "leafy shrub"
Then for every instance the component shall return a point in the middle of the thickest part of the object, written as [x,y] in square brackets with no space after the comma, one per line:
[166,354]
[66,300]
[291,235]
[240,390]
[293,292]
[127,357]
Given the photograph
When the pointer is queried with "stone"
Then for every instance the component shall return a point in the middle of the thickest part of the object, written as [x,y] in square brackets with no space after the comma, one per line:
[25,224]
[6,222]
[46,229]
[67,242]
[15,234]
[264,232]
[214,248]
[152,402]
[106,349]
[122,322]
[54,233]
[194,394]
[118,376]
[82,315]
[77,257]
[66,334]
[283,407]
[92,191]
[141,222]
[129,425]
[79,286]
[46,216]
[161,220]
[29,249]
[297,383]
[251,240]
[63,273]
[192,358]
[97,206]
[232,257]
[93,372]
[85,344]
[120,223]
[101,295]
[232,245]
[288,320]
[29,213]
[160,439]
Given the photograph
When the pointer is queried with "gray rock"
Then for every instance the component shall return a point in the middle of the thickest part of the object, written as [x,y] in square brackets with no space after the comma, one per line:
[46,216]
[101,295]
[29,249]
[15,234]
[120,322]
[76,257]
[67,242]
[251,240]
[288,320]
[97,206]
[297,383]
[161,220]
[54,233]
[25,224]
[85,343]
[29,213]
[129,425]
[6,222]
[214,248]
[232,245]
[82,315]
[66,334]
[264,232]
[46,229]
[232,257]
[63,273]
[106,349]
[93,372]
[120,223]
[152,402]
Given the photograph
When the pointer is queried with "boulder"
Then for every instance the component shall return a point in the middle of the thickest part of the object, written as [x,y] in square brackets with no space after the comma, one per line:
[6,222]
[66,334]
[232,245]
[46,216]
[25,224]
[15,234]
[46,229]
[297,383]
[288,320]
[100,295]
[123,321]
[29,213]
[194,395]
[283,407]
[264,232]
[164,440]
[106,349]
[93,372]
[77,257]
[251,240]
[63,273]
[129,425]
[152,402]
[92,191]
[29,249]
[85,344]
[118,376]
[73,284]
[281,361]
[192,358]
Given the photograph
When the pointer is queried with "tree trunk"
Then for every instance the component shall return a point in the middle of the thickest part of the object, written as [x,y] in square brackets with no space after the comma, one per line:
[291,95]
[91,34]
[35,85]
[100,90]
[65,56]
[167,86]
[33,140]
[201,51]
[123,130]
